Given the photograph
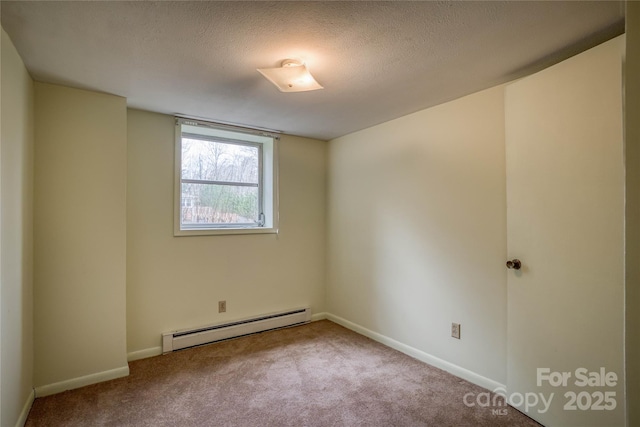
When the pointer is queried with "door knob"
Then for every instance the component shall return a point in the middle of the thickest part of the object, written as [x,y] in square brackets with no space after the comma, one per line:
[514,264]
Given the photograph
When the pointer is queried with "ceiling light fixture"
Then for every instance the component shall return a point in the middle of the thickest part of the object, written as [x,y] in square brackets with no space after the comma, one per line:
[292,76]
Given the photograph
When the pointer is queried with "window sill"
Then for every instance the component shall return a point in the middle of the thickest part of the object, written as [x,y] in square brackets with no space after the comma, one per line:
[224,231]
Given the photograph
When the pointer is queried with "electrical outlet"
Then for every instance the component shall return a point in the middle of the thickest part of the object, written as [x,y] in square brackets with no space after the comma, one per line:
[222,306]
[455,330]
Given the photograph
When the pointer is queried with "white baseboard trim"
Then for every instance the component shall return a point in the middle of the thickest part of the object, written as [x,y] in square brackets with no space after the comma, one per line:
[46,390]
[143,354]
[419,354]
[25,409]
[318,316]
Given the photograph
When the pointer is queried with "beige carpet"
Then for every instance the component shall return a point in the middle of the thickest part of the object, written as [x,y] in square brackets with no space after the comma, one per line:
[319,374]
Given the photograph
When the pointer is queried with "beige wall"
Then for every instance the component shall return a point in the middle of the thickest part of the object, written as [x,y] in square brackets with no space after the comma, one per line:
[80,235]
[417,231]
[16,201]
[176,282]
[632,151]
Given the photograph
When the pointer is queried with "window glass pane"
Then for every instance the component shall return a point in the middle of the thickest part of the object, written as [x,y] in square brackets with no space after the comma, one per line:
[219,161]
[218,204]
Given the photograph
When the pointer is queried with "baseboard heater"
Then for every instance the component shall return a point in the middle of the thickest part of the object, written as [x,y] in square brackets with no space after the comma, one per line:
[178,340]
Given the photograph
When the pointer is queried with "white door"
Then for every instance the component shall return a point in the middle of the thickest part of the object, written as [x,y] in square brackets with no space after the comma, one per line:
[565,210]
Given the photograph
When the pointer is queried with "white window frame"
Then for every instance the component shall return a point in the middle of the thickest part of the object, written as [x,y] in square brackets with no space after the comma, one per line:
[268,180]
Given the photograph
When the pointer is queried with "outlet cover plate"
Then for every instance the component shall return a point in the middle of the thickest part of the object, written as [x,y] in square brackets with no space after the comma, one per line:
[455,330]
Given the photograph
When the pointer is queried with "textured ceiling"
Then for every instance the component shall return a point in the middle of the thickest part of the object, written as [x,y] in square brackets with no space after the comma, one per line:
[376,60]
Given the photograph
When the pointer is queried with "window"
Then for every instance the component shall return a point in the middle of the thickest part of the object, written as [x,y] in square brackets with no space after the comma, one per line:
[225,180]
